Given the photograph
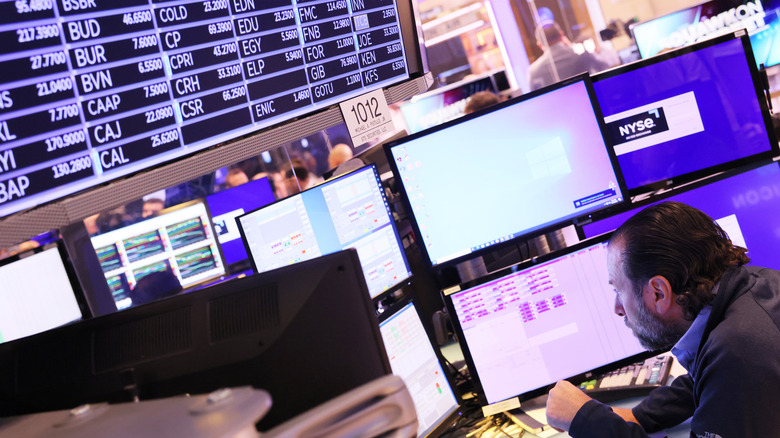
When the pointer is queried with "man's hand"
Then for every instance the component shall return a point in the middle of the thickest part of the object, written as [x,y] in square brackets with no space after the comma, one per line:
[563,402]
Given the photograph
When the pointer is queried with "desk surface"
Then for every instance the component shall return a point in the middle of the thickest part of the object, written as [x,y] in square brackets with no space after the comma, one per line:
[536,407]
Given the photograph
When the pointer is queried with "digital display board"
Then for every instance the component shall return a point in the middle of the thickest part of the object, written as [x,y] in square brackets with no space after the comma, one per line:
[92,90]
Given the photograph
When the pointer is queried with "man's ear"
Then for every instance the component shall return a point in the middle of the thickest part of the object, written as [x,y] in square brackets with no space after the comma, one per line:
[659,294]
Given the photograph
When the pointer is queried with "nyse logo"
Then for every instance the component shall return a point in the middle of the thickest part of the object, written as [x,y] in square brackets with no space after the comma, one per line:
[637,126]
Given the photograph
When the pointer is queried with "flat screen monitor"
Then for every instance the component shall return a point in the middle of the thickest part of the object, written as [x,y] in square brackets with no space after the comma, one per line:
[518,167]
[413,358]
[180,240]
[350,211]
[228,204]
[686,114]
[712,18]
[38,293]
[305,333]
[526,327]
[695,24]
[745,205]
[766,39]
[92,91]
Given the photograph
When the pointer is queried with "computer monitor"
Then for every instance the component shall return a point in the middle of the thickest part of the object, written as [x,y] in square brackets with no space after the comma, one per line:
[180,240]
[413,358]
[528,326]
[522,166]
[745,205]
[38,293]
[305,333]
[442,104]
[349,211]
[692,25]
[226,205]
[766,39]
[682,115]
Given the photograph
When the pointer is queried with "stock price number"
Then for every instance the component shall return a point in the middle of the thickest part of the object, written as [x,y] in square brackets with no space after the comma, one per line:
[150,65]
[225,49]
[47,60]
[155,89]
[301,95]
[283,16]
[226,72]
[214,5]
[23,6]
[288,35]
[221,27]
[233,93]
[54,86]
[137,17]
[64,112]
[165,138]
[71,166]
[65,140]
[38,33]
[159,114]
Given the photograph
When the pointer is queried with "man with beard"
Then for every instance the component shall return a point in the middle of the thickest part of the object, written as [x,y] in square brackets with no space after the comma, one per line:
[681,283]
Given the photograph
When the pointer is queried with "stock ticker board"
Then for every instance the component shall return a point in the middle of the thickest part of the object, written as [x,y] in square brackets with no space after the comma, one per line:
[91,90]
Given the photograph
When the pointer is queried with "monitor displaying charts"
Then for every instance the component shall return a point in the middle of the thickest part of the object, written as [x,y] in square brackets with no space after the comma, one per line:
[413,358]
[350,211]
[680,116]
[181,241]
[528,326]
[519,167]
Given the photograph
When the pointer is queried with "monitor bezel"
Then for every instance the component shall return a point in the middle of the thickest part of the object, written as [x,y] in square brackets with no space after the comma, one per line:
[678,180]
[660,18]
[70,271]
[578,378]
[222,193]
[376,298]
[585,79]
[446,420]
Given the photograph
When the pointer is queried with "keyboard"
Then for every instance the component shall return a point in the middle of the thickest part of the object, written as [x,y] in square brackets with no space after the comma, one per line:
[636,380]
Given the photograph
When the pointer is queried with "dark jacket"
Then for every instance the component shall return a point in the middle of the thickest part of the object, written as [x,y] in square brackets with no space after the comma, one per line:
[735,382]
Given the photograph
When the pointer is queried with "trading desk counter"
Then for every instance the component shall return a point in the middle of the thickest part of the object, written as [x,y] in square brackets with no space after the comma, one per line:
[536,409]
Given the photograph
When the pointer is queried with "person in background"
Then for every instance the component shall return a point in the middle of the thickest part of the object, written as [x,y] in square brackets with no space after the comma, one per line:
[559,57]
[90,222]
[339,154]
[155,286]
[681,283]
[235,178]
[480,100]
[152,207]
[298,177]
